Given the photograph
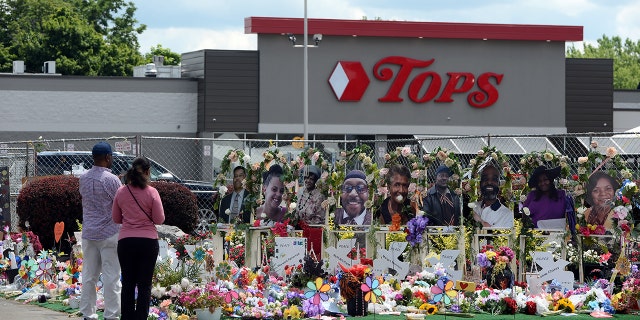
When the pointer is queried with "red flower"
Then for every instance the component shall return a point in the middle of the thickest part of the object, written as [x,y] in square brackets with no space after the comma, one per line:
[575,177]
[531,307]
[512,306]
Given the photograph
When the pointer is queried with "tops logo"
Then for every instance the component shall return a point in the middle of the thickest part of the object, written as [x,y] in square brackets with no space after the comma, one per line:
[349,81]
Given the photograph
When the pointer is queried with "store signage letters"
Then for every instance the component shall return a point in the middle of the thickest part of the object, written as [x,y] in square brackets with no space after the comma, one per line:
[349,82]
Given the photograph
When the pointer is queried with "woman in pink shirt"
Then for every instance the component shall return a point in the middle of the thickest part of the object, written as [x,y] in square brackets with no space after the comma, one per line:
[138,208]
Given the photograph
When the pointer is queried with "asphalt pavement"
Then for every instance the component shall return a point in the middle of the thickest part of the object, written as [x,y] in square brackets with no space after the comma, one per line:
[12,309]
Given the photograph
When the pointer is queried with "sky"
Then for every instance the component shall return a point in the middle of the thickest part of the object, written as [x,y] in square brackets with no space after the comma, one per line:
[190,25]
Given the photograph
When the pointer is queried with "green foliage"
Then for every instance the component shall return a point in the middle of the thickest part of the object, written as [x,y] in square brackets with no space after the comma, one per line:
[625,55]
[84,37]
[180,205]
[44,202]
[170,58]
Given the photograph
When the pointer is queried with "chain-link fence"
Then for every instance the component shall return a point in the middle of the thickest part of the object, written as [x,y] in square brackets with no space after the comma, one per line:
[195,162]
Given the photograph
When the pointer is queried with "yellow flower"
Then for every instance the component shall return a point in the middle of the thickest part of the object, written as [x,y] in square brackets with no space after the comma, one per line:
[292,313]
[183,317]
[565,304]
[431,309]
[490,254]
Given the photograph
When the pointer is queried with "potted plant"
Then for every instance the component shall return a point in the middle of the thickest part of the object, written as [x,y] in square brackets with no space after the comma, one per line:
[206,303]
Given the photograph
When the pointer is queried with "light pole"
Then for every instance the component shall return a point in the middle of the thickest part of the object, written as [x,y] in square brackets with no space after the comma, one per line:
[305,84]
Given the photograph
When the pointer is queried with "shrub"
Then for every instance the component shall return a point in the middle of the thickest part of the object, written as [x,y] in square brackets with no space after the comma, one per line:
[48,200]
[180,205]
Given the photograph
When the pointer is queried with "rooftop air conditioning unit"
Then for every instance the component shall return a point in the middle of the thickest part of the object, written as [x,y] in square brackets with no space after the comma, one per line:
[49,67]
[158,61]
[18,67]
[150,70]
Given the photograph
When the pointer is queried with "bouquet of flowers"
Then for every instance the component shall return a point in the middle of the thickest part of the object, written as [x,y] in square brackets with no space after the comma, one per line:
[415,228]
[496,264]
[631,286]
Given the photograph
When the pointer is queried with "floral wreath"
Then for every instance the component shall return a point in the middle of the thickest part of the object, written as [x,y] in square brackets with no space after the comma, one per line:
[253,181]
[471,180]
[530,161]
[597,161]
[312,156]
[232,156]
[359,155]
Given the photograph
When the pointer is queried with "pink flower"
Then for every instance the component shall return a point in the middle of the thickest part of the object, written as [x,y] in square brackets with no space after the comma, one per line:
[620,212]
[384,171]
[605,257]
[315,156]
[383,190]
[611,152]
[405,151]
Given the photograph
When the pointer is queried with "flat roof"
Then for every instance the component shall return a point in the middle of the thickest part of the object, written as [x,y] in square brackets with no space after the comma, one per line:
[411,29]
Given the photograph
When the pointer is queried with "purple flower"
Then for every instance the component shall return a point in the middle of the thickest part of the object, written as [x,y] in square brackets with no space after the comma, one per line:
[415,228]
[455,308]
[483,262]
[310,309]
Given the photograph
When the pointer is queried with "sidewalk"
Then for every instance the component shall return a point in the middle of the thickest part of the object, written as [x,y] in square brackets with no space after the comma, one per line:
[12,309]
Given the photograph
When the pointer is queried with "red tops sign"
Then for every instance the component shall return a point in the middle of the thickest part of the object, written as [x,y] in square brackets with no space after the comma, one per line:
[349,81]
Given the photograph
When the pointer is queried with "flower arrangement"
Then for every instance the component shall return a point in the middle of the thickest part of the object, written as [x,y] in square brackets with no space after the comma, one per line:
[208,296]
[631,285]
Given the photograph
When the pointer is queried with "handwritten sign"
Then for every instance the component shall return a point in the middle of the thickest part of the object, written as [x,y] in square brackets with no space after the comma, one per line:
[288,251]
[340,254]
[122,146]
[164,249]
[388,260]
[552,269]
[447,260]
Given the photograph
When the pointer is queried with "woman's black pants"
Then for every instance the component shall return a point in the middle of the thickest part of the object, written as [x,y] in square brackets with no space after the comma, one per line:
[137,261]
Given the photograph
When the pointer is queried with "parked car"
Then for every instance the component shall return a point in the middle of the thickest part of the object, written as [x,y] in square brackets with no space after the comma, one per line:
[76,162]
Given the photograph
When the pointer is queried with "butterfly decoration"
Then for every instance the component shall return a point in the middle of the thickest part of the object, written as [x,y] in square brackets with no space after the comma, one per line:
[443,291]
[230,295]
[371,286]
[317,290]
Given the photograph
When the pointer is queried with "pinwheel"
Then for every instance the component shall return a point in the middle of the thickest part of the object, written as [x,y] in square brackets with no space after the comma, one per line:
[44,269]
[223,270]
[317,291]
[443,291]
[27,269]
[371,286]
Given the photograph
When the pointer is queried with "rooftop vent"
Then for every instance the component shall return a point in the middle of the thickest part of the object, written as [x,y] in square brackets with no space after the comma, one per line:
[18,67]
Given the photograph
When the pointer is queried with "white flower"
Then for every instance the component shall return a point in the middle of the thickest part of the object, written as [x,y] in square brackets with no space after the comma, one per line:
[332,215]
[526,211]
[263,215]
[384,171]
[420,213]
[472,162]
[582,160]
[399,198]
[228,211]
[548,156]
[223,190]
[594,144]
[471,205]
[246,158]
[581,210]
[292,206]
[184,283]
[405,151]
[448,162]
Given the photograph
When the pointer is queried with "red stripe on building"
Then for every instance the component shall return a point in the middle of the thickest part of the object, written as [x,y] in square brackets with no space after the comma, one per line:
[408,29]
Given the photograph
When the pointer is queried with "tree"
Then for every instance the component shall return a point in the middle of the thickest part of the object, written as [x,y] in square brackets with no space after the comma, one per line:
[626,59]
[170,58]
[84,37]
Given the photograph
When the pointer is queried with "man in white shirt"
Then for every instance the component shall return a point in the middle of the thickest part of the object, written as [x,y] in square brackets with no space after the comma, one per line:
[355,193]
[490,212]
